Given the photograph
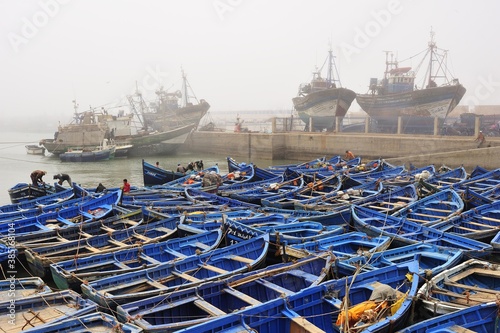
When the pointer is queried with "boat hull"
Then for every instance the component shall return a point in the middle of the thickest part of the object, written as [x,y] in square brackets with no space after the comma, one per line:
[323,106]
[163,121]
[88,156]
[417,108]
[35,150]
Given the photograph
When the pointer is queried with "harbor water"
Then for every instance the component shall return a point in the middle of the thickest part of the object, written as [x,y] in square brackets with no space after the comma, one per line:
[16,165]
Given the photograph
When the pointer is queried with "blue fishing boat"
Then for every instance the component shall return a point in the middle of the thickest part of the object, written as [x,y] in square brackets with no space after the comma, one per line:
[495,242]
[93,322]
[25,192]
[440,181]
[388,292]
[380,174]
[44,309]
[481,183]
[434,208]
[204,303]
[315,190]
[391,199]
[89,154]
[290,232]
[408,177]
[196,223]
[341,199]
[40,259]
[282,167]
[324,217]
[256,193]
[22,287]
[200,197]
[54,237]
[432,259]
[345,245]
[471,283]
[91,210]
[70,273]
[46,200]
[41,209]
[404,232]
[481,318]
[185,273]
[153,175]
[481,223]
[180,183]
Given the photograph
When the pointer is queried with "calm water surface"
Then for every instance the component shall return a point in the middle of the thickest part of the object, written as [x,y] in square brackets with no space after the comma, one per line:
[16,165]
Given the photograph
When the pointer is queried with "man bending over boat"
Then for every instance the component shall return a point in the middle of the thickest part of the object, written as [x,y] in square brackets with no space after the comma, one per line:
[62,177]
[348,155]
[36,177]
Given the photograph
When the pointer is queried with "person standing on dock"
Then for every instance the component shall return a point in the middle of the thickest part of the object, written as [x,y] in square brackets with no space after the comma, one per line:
[36,177]
[480,139]
[349,155]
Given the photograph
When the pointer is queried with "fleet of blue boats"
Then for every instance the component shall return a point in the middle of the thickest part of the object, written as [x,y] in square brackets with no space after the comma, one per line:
[326,245]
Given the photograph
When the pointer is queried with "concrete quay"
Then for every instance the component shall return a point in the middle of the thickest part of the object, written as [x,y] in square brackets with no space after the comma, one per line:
[420,150]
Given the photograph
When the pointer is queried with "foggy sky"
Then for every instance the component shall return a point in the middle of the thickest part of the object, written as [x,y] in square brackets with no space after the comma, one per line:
[238,54]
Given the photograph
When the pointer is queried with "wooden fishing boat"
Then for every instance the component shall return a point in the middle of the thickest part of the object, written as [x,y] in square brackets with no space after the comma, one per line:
[283,167]
[41,209]
[40,259]
[290,232]
[89,154]
[256,194]
[391,199]
[208,301]
[70,273]
[200,197]
[481,318]
[481,183]
[47,200]
[378,174]
[313,191]
[92,322]
[324,217]
[153,175]
[408,177]
[432,259]
[35,150]
[40,310]
[404,232]
[200,222]
[53,237]
[91,210]
[495,242]
[340,200]
[24,192]
[481,223]
[388,292]
[470,283]
[185,273]
[434,208]
[18,288]
[187,181]
[345,245]
[440,181]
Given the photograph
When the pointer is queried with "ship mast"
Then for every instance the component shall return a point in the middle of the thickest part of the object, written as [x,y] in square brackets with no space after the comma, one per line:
[186,87]
[330,78]
[432,47]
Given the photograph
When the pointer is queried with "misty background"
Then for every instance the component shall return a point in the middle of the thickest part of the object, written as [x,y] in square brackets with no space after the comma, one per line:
[243,57]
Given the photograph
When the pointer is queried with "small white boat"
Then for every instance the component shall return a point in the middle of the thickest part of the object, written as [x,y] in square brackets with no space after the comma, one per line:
[35,150]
